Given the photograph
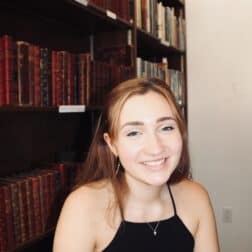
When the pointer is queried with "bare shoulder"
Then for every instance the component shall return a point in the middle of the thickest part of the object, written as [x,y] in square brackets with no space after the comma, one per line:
[87,200]
[90,195]
[195,208]
[192,191]
[192,201]
[80,217]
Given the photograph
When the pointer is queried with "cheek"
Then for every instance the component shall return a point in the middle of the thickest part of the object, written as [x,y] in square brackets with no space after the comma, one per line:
[177,144]
[127,152]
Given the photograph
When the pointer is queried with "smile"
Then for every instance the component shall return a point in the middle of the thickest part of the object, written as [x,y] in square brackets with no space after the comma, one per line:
[154,163]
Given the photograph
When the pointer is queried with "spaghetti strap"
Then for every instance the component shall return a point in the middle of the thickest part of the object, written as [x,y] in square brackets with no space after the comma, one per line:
[172,199]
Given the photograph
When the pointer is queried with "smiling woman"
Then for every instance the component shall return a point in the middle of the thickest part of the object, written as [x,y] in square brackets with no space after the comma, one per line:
[135,192]
[148,142]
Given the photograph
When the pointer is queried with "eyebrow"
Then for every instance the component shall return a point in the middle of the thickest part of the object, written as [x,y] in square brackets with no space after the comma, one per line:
[139,123]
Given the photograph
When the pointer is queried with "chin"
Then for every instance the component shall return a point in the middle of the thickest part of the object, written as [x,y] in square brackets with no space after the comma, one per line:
[158,181]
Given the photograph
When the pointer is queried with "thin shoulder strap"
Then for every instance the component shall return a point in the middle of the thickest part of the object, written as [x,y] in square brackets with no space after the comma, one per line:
[172,199]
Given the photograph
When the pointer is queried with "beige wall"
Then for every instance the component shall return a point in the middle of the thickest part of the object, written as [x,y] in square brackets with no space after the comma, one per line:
[219,57]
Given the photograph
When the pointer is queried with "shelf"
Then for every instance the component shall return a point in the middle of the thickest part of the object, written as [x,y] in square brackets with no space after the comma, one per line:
[150,46]
[172,3]
[69,14]
[66,109]
[32,136]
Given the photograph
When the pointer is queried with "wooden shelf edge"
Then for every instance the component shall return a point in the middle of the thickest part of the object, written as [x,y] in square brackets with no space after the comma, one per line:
[17,108]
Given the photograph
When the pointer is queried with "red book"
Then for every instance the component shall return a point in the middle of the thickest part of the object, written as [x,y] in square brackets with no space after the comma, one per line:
[36,205]
[44,196]
[6,202]
[59,78]
[15,208]
[70,78]
[22,200]
[81,78]
[3,222]
[30,224]
[9,70]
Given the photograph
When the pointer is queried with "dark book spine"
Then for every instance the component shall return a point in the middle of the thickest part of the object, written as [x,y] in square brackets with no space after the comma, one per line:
[81,86]
[45,76]
[63,185]
[88,78]
[70,78]
[31,72]
[92,88]
[54,78]
[76,80]
[37,85]
[2,86]
[23,73]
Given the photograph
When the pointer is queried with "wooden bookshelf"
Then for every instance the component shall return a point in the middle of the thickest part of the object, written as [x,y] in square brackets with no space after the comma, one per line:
[150,46]
[35,135]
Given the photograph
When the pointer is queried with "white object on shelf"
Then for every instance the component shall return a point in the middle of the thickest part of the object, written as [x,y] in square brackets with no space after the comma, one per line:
[72,108]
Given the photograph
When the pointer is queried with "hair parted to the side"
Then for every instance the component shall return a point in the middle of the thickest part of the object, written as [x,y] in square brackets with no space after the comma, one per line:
[100,162]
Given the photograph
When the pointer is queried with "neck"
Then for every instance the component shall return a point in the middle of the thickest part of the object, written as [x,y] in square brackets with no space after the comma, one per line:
[145,202]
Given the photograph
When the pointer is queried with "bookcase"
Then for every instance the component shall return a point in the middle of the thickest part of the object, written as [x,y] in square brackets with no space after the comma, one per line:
[58,59]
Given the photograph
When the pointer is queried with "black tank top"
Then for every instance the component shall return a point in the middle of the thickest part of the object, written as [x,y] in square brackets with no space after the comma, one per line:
[172,236]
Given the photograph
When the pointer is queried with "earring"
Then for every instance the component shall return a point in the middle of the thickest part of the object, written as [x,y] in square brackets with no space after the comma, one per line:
[118,166]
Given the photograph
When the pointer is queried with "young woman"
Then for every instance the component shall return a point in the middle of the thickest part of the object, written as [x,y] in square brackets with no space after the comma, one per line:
[136,193]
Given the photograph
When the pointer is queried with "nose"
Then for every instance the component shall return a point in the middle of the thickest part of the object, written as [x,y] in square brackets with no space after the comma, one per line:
[153,144]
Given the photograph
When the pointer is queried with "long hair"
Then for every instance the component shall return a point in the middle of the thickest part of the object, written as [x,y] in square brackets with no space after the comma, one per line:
[101,163]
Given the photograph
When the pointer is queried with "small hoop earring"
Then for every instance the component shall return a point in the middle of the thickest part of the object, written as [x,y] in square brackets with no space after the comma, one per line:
[118,166]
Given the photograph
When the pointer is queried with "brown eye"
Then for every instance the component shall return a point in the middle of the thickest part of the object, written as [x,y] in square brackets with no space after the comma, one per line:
[133,133]
[167,128]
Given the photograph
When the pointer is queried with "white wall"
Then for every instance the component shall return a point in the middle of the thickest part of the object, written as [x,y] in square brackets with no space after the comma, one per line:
[219,57]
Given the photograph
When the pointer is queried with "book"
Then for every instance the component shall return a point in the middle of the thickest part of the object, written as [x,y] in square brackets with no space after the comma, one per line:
[8,71]
[7,239]
[23,73]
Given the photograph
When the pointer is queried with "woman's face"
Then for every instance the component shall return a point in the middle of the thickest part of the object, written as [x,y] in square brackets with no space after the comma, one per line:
[149,142]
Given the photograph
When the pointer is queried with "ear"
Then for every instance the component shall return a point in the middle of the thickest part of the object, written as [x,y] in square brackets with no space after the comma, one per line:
[111,146]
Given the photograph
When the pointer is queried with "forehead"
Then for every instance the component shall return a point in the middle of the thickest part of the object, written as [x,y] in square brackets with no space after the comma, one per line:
[147,107]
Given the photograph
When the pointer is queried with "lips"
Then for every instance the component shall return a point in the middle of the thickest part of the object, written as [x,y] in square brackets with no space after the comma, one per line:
[154,163]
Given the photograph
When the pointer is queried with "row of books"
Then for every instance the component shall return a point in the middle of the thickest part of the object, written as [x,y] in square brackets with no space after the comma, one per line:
[174,78]
[120,8]
[30,203]
[31,75]
[162,22]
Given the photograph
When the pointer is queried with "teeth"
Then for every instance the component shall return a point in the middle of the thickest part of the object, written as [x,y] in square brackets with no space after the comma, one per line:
[153,163]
